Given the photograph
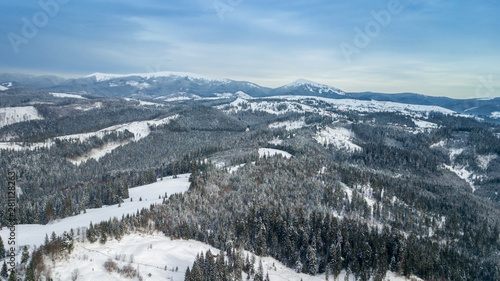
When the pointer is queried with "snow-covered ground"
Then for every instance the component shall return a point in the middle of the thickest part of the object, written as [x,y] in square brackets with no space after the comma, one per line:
[464,174]
[100,77]
[374,106]
[34,234]
[89,106]
[424,124]
[145,103]
[271,152]
[308,84]
[485,160]
[140,129]
[339,137]
[64,95]
[271,107]
[2,88]
[288,125]
[11,115]
[495,114]
[157,257]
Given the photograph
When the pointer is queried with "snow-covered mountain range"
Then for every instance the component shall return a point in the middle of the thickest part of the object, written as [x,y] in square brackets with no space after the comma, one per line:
[186,86]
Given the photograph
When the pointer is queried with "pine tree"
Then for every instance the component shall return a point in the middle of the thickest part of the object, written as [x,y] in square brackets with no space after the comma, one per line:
[2,249]
[12,276]
[311,260]
[4,272]
[91,234]
[187,276]
[25,256]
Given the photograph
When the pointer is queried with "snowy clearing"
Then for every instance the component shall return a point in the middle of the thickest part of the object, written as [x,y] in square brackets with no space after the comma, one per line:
[339,137]
[424,124]
[374,106]
[11,115]
[268,152]
[64,95]
[90,106]
[2,88]
[495,115]
[144,103]
[34,234]
[140,129]
[485,160]
[464,174]
[160,256]
[288,125]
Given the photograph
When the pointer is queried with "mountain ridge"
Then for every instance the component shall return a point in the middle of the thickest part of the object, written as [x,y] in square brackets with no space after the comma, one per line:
[170,84]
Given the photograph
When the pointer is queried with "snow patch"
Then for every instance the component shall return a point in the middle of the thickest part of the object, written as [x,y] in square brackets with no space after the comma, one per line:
[11,115]
[276,141]
[268,152]
[464,174]
[438,144]
[339,137]
[138,84]
[424,124]
[288,125]
[495,115]
[2,88]
[34,234]
[64,95]
[484,160]
[87,107]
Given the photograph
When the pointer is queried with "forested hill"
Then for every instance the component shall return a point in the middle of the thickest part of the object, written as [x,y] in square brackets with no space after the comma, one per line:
[319,184]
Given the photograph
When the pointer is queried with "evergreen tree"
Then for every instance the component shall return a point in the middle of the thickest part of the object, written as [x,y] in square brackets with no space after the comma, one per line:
[311,260]
[25,256]
[12,276]
[91,234]
[2,249]
[4,272]
[187,276]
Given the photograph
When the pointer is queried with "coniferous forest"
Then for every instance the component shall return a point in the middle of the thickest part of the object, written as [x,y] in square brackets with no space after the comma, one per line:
[355,191]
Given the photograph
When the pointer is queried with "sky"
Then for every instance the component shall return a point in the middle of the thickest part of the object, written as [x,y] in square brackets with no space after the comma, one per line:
[433,47]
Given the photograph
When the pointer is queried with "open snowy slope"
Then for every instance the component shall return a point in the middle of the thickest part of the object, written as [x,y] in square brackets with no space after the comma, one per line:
[11,115]
[140,129]
[157,257]
[34,234]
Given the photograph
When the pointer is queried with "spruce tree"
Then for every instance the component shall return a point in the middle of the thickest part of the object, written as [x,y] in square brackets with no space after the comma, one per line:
[4,272]
[25,256]
[2,249]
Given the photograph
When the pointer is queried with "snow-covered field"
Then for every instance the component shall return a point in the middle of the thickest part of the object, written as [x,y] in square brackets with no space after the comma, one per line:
[339,137]
[464,174]
[288,125]
[495,114]
[64,95]
[2,88]
[11,115]
[268,152]
[89,106]
[374,106]
[485,160]
[34,234]
[157,257]
[140,129]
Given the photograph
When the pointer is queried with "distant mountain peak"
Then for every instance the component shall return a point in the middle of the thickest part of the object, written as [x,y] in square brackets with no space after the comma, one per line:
[310,84]
[100,77]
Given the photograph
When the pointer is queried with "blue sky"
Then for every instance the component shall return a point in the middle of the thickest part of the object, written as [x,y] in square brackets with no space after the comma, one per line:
[434,47]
